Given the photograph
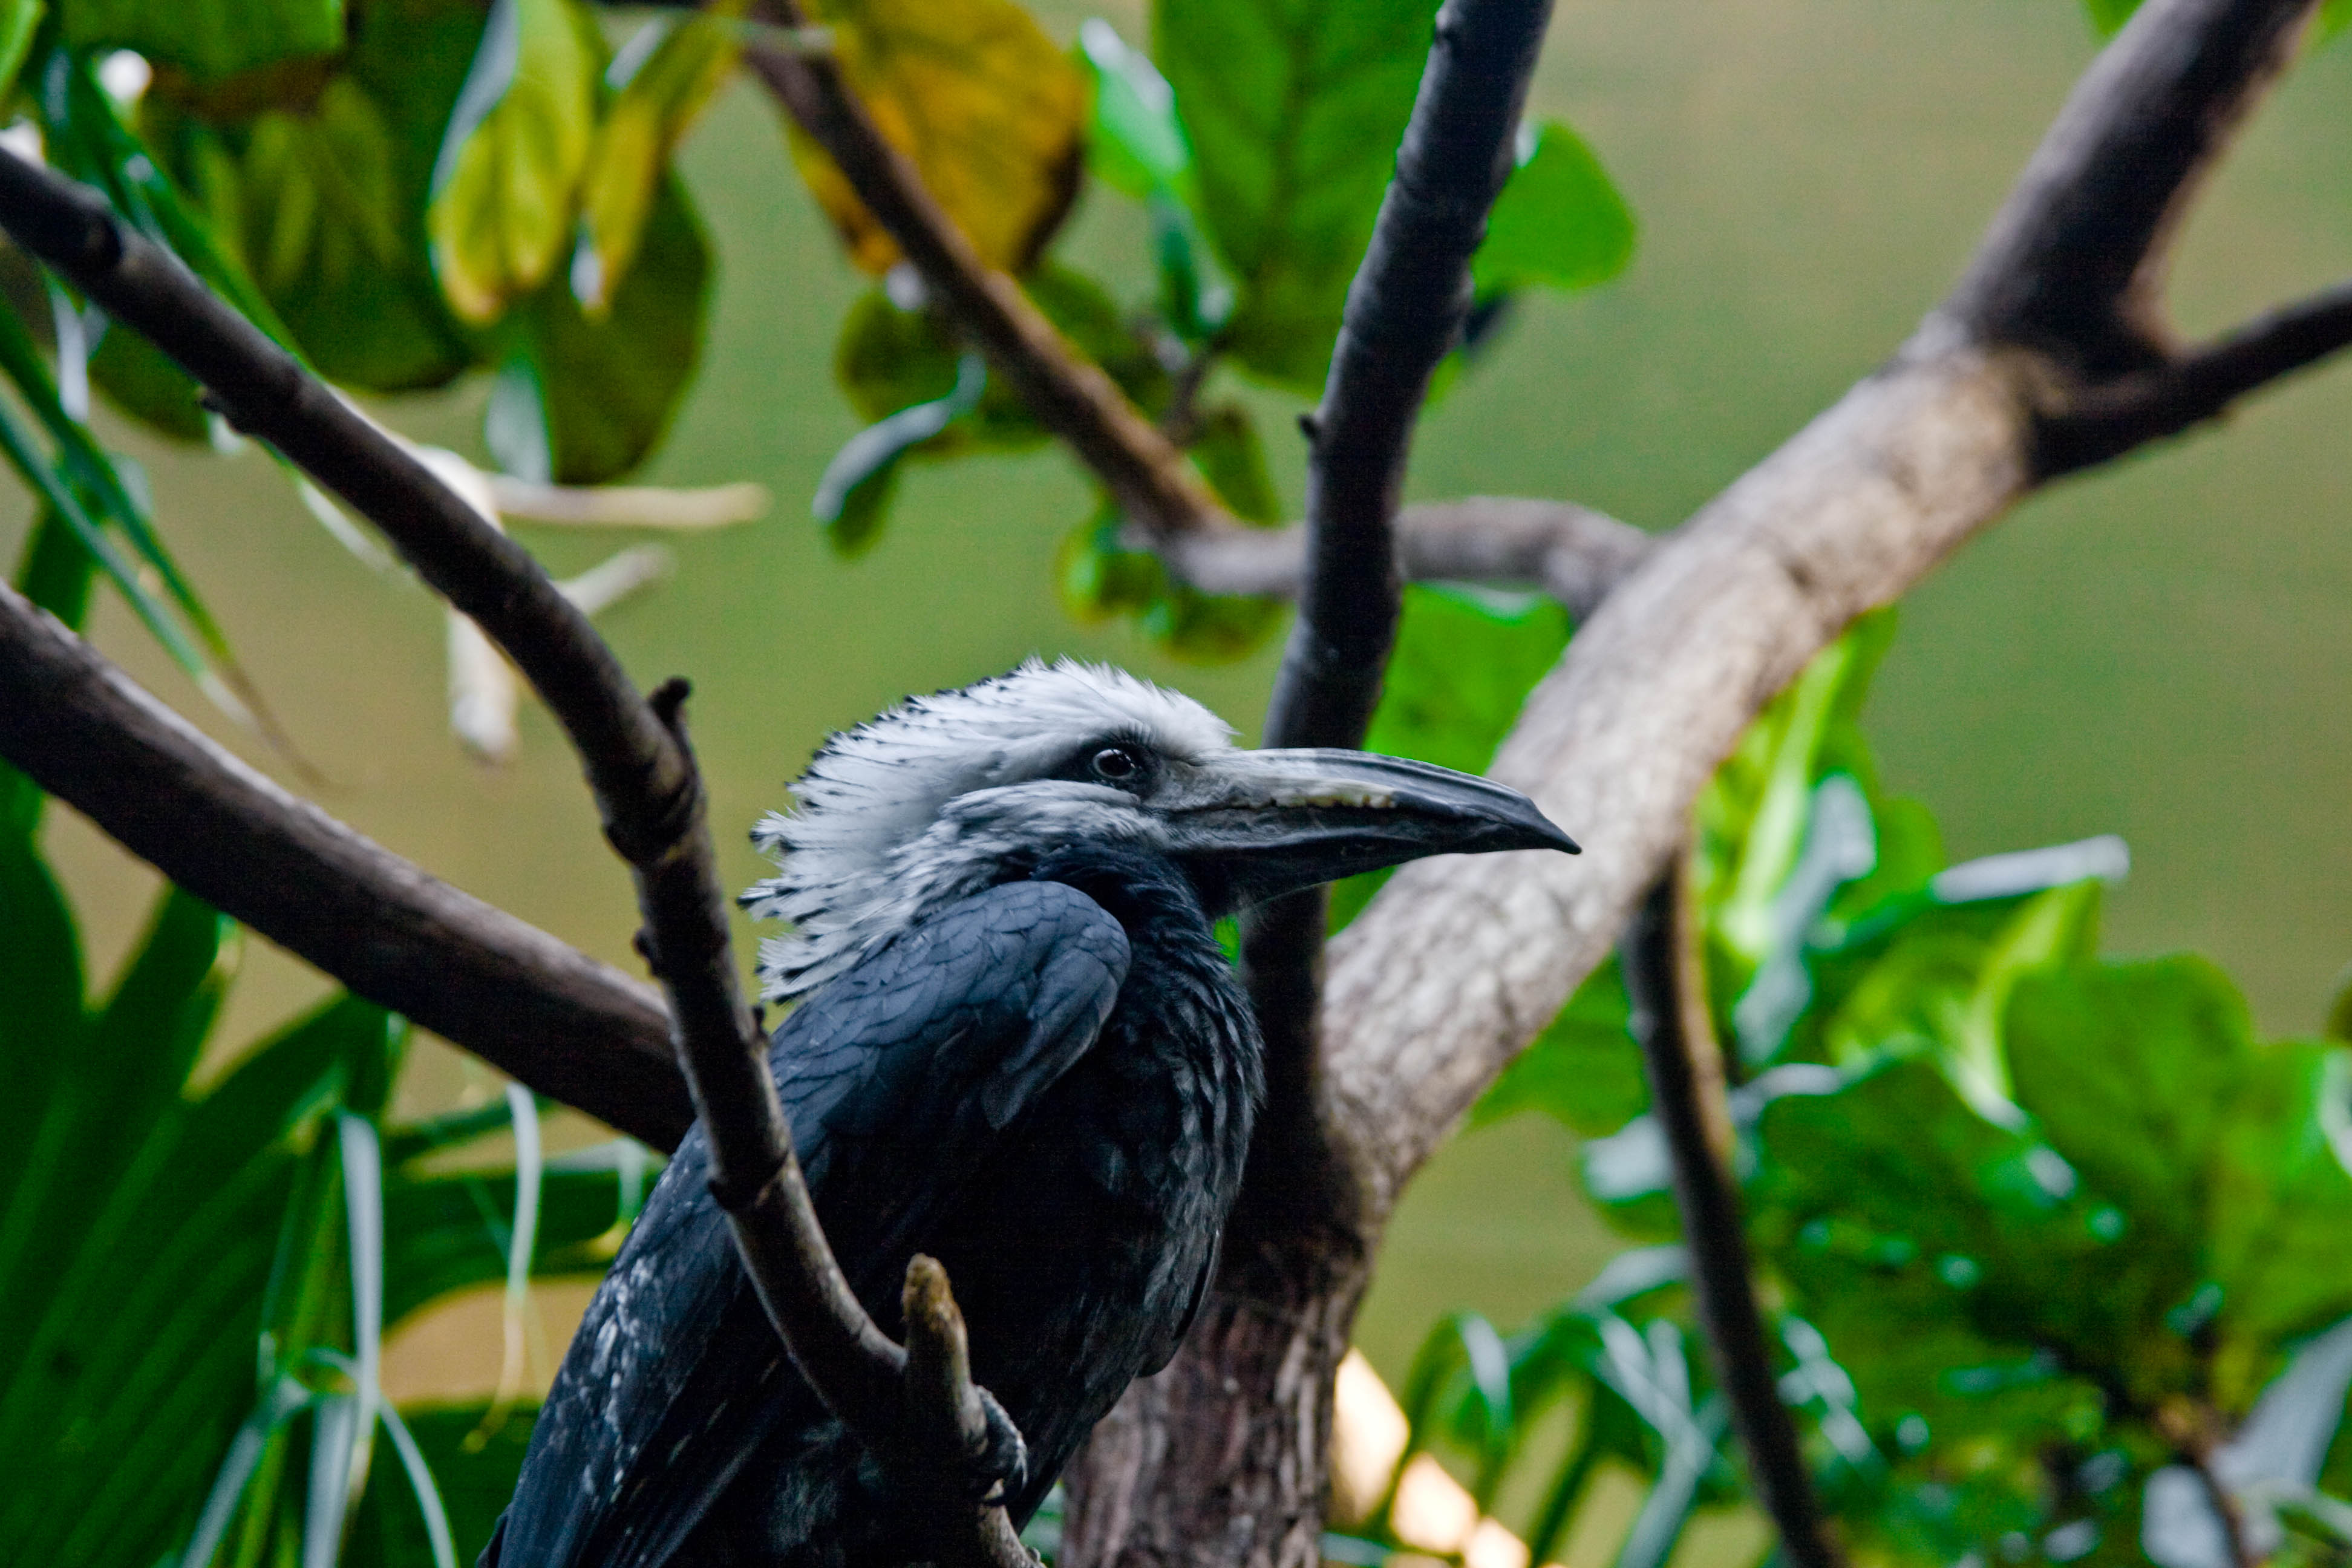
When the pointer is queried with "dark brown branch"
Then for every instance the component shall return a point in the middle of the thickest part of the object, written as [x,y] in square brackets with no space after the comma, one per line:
[2109,420]
[1571,552]
[545,1013]
[1066,393]
[2074,263]
[1683,1062]
[633,750]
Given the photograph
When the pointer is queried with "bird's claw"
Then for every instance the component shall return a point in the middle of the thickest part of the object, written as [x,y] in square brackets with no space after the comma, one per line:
[999,1468]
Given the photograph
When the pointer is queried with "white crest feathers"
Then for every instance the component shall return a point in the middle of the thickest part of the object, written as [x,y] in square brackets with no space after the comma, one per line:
[871,843]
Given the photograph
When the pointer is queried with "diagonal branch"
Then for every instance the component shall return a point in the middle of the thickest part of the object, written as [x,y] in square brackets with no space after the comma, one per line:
[1064,391]
[1683,1062]
[544,1012]
[634,751]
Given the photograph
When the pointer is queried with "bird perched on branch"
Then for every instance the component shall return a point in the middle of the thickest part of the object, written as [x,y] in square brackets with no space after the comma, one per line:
[1018,1048]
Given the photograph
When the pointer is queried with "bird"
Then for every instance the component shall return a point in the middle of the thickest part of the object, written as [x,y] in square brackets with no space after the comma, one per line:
[1016,1044]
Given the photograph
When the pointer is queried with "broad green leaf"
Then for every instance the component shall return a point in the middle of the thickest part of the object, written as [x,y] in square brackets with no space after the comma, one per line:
[1296,108]
[1136,142]
[2280,1203]
[326,204]
[1464,662]
[601,392]
[980,97]
[1559,222]
[2131,1069]
[1209,628]
[474,1476]
[505,186]
[140,380]
[1230,455]
[1583,1069]
[666,76]
[207,37]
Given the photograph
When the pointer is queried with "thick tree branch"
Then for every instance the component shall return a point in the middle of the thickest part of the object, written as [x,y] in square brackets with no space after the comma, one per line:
[545,1013]
[1571,552]
[1683,1062]
[1067,394]
[633,750]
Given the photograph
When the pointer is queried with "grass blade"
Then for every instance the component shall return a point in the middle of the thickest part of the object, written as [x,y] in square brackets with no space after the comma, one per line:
[428,1495]
[282,1401]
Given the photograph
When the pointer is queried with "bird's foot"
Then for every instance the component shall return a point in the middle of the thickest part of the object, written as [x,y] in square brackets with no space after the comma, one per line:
[997,1470]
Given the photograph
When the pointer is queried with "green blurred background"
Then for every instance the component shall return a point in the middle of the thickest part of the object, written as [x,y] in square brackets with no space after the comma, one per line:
[2154,651]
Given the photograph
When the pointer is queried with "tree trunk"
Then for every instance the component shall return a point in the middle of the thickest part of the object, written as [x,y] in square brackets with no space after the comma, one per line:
[1219,1461]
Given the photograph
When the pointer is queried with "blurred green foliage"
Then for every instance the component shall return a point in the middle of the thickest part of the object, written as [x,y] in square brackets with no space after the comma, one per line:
[2034,1227]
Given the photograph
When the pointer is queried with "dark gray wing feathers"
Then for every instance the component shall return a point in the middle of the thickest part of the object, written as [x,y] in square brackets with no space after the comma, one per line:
[896,1078]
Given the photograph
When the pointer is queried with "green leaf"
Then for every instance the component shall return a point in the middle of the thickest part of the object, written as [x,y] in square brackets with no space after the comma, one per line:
[1296,108]
[2131,1069]
[476,1479]
[1463,664]
[42,1026]
[2279,1205]
[327,207]
[1230,455]
[889,359]
[666,76]
[448,1233]
[1136,142]
[853,494]
[987,107]
[602,392]
[2108,17]
[140,380]
[1583,1069]
[505,185]
[207,37]
[19,20]
[1559,222]
[55,574]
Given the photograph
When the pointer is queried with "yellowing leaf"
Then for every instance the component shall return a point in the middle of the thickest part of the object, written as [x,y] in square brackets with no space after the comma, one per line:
[666,76]
[980,97]
[518,141]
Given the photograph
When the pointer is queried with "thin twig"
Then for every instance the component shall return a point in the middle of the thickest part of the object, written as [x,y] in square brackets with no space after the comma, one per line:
[2191,1427]
[542,1012]
[1067,394]
[1683,1062]
[1571,552]
[628,506]
[634,748]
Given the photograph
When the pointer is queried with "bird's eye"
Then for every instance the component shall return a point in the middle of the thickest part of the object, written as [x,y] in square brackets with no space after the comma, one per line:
[1116,764]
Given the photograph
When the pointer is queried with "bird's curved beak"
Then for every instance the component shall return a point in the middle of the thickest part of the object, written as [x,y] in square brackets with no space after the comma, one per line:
[1259,824]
